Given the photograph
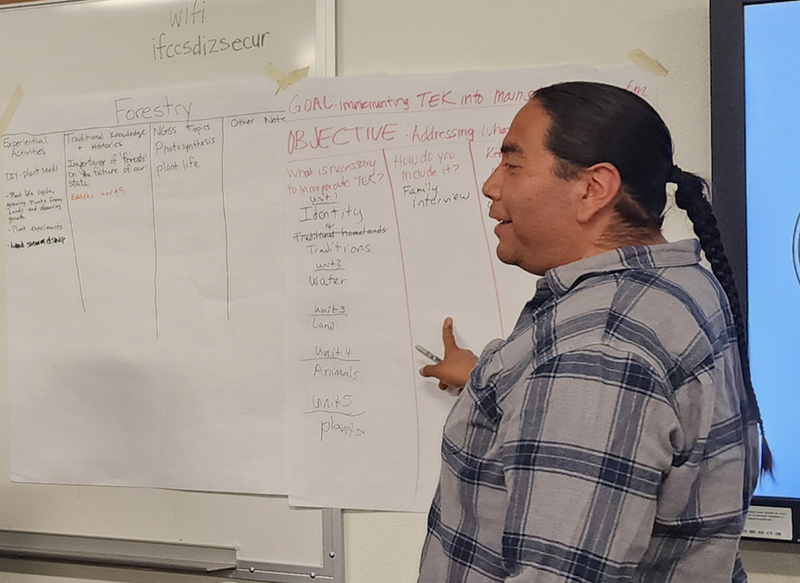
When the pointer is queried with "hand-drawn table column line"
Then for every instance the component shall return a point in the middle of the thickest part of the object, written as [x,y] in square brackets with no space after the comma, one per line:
[479,192]
[155,229]
[225,225]
[408,315]
[71,226]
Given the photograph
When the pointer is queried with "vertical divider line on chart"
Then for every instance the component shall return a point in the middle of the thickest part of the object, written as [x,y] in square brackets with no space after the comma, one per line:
[225,224]
[155,230]
[71,226]
[478,190]
[408,314]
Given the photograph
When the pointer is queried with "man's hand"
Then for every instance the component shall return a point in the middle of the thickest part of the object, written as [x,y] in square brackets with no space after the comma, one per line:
[457,364]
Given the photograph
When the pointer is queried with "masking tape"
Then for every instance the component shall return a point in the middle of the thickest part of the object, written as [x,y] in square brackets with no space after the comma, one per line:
[11,108]
[647,63]
[285,81]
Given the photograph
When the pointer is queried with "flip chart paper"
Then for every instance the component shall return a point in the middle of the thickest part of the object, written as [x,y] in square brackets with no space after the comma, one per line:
[387,234]
[174,252]
[145,278]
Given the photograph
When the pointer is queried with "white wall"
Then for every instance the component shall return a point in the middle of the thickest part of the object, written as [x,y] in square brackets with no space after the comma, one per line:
[414,36]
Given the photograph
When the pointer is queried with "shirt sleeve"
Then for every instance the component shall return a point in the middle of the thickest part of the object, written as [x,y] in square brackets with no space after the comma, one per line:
[586,439]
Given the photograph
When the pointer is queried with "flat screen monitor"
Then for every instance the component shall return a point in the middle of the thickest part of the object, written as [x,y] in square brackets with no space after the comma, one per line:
[755,103]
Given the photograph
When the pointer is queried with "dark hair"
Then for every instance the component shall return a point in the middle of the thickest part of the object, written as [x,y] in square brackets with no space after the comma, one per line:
[592,123]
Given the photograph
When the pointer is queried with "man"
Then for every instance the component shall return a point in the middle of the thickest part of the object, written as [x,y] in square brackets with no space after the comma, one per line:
[605,439]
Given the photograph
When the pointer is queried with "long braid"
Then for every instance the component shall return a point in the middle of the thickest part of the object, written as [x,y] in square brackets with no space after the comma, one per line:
[690,198]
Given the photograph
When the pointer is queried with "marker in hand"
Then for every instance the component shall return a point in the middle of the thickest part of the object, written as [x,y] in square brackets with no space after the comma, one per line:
[454,369]
[428,353]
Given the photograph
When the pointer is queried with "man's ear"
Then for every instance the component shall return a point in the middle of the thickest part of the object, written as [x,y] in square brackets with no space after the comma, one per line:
[601,184]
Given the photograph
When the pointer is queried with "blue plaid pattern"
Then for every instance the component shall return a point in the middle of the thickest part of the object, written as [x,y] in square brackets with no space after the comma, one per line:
[604,440]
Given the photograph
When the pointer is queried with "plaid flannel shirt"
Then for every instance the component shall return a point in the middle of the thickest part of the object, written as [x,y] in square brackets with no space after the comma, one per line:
[605,439]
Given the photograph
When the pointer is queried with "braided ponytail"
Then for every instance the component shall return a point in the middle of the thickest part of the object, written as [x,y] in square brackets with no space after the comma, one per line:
[690,198]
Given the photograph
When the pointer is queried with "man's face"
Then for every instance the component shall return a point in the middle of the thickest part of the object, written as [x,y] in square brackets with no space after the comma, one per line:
[536,209]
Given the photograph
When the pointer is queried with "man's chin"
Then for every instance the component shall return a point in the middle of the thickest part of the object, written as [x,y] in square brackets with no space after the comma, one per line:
[506,257]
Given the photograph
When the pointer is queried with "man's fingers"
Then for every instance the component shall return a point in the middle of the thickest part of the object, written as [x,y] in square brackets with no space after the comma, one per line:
[448,337]
[428,370]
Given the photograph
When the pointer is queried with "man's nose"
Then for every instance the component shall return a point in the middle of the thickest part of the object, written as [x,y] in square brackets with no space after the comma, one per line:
[491,188]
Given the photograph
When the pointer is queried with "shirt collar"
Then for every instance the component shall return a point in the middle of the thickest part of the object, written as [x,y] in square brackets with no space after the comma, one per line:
[681,253]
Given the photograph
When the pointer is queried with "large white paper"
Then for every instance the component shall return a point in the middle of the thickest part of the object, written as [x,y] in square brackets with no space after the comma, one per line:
[147,282]
[145,274]
[388,233]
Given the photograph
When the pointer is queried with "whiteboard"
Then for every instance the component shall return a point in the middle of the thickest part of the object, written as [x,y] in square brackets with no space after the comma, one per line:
[105,45]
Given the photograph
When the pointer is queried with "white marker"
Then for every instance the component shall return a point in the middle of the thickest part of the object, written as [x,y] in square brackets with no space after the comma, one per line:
[429,354]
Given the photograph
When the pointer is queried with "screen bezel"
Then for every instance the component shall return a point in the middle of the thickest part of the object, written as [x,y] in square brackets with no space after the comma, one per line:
[728,162]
